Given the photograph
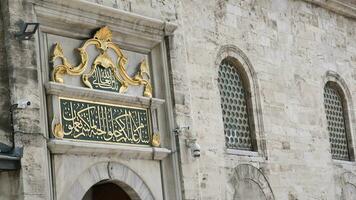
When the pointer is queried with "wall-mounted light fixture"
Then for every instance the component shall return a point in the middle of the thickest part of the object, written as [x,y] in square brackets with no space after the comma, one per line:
[27,30]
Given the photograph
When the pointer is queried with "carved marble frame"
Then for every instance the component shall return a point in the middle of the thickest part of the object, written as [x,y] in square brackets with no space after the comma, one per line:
[114,172]
[133,32]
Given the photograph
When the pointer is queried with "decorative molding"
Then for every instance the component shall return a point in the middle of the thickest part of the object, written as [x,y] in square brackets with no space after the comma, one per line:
[62,90]
[123,151]
[128,27]
[337,6]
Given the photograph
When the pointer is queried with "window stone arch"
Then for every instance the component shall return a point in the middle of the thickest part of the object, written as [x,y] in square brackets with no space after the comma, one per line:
[235,57]
[348,185]
[249,182]
[337,107]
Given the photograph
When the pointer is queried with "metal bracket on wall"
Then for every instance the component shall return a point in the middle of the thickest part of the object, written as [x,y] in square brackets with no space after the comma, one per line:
[179,130]
[11,160]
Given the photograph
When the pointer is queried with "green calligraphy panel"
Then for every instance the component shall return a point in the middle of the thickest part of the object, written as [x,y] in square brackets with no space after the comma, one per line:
[104,79]
[84,120]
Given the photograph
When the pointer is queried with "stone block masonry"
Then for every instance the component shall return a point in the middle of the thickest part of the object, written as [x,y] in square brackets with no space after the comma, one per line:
[290,49]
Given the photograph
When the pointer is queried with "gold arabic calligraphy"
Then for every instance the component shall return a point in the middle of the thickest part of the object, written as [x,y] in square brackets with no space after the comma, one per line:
[104,79]
[101,122]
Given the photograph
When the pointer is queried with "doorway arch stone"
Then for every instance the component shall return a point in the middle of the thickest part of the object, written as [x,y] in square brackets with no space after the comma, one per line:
[107,190]
[114,172]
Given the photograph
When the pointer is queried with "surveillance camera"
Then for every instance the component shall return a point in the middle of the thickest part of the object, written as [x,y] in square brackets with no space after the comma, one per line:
[23,103]
[194,148]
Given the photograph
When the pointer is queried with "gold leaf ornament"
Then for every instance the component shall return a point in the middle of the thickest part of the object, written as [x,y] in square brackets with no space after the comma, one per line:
[156,140]
[58,131]
[103,34]
[102,40]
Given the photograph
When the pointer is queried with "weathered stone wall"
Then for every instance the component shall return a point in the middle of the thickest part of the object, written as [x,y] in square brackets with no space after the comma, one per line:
[291,46]
[32,181]
[9,181]
[5,128]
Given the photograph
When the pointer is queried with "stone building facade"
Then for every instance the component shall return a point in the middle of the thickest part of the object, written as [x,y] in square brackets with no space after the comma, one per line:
[288,66]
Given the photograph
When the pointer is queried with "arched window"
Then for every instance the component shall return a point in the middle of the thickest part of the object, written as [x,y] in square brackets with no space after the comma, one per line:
[336,117]
[235,104]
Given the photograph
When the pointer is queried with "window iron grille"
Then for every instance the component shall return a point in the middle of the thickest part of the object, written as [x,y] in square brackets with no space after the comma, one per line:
[335,117]
[234,108]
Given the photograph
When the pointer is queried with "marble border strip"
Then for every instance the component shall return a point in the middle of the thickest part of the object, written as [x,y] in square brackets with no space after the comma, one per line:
[57,146]
[63,90]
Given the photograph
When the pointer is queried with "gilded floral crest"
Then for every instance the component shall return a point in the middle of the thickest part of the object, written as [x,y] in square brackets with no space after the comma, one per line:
[103,34]
[104,73]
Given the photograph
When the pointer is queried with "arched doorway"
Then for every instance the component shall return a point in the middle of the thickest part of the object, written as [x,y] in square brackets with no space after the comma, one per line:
[106,190]
[108,172]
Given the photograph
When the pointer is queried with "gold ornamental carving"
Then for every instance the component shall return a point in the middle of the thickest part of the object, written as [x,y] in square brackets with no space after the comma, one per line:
[58,131]
[104,73]
[156,140]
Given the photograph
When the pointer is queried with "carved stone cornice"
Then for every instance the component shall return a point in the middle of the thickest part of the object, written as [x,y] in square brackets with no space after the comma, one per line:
[124,151]
[63,90]
[75,17]
[346,8]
